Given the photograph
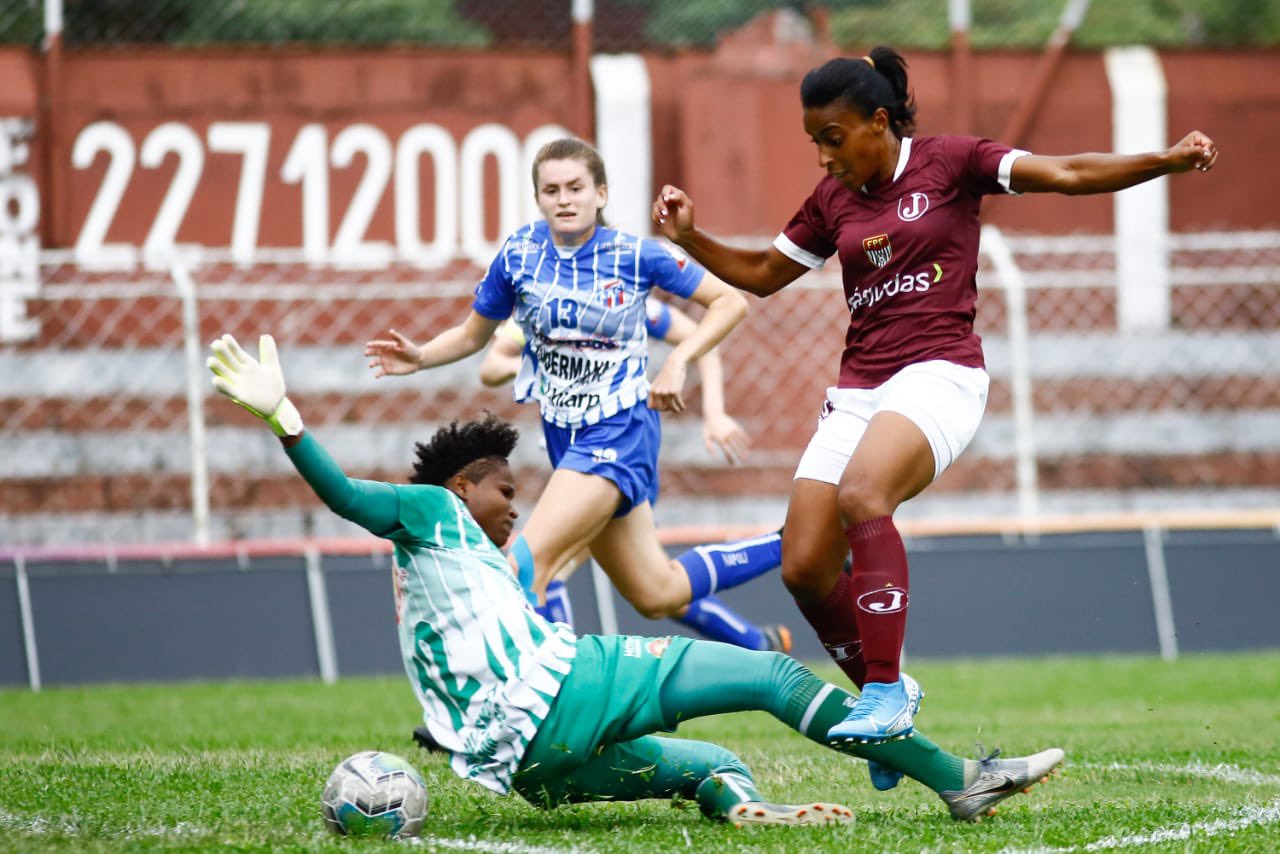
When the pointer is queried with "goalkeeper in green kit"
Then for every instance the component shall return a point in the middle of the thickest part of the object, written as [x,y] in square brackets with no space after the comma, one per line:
[524,704]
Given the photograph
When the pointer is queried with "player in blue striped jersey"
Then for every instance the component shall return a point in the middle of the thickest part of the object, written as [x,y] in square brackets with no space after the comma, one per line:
[709,616]
[577,290]
[521,703]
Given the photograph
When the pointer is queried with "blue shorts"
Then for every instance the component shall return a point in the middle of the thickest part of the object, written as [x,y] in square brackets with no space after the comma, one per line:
[622,449]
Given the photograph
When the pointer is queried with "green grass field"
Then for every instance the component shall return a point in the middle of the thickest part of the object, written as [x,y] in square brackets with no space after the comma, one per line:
[1175,757]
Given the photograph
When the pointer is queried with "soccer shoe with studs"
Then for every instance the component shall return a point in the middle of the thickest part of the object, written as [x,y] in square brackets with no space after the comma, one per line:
[884,778]
[999,779]
[757,813]
[778,637]
[883,712]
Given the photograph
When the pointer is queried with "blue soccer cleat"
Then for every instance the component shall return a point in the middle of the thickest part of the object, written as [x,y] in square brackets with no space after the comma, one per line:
[884,778]
[883,712]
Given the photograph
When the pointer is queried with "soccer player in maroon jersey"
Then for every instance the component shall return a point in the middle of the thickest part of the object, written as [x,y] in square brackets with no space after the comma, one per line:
[903,215]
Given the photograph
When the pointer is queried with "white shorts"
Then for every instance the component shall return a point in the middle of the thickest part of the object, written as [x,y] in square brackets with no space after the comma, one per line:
[944,400]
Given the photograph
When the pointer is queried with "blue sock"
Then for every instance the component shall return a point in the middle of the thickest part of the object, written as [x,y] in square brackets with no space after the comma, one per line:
[714,619]
[719,567]
[558,608]
[524,568]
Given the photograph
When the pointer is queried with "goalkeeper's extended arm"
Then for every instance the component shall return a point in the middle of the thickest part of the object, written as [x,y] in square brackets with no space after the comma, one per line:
[255,384]
[258,386]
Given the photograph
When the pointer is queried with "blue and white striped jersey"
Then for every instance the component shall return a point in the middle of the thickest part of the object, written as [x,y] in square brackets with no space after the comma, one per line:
[583,316]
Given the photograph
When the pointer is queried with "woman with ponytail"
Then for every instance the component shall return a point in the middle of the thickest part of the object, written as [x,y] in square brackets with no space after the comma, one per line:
[902,213]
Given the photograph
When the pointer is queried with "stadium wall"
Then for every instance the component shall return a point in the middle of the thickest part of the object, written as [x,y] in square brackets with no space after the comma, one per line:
[324,609]
[718,121]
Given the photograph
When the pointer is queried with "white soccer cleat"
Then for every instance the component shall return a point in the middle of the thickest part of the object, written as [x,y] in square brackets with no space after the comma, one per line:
[999,779]
[756,813]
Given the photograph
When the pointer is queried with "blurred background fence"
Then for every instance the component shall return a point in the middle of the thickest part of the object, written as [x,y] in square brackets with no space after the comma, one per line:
[112,434]
[629,25]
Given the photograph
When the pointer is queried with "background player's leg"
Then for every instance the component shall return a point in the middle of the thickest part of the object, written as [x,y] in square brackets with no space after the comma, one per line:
[570,513]
[714,619]
[720,566]
[628,551]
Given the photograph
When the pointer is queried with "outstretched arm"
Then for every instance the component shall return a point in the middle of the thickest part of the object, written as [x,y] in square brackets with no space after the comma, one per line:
[756,271]
[398,355]
[1079,174]
[718,429]
[258,386]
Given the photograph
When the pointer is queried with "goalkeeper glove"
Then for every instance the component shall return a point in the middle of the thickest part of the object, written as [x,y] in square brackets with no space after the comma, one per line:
[255,384]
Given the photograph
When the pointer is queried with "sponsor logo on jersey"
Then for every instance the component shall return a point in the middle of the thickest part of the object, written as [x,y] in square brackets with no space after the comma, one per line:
[886,600]
[616,247]
[682,260]
[878,249]
[912,207]
[899,284]
[658,646]
[523,247]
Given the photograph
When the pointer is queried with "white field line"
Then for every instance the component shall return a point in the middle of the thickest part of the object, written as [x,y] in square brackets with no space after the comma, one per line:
[473,844]
[1244,817]
[1221,772]
[70,826]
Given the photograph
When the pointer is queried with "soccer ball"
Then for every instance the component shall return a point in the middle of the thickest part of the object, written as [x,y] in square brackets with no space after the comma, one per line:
[374,794]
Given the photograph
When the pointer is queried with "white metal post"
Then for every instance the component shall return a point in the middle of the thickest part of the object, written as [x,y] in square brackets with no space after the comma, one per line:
[318,594]
[1024,440]
[195,402]
[1161,600]
[28,623]
[52,19]
[603,589]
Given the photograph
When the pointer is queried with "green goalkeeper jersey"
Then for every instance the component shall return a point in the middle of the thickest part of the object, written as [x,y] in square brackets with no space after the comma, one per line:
[483,663]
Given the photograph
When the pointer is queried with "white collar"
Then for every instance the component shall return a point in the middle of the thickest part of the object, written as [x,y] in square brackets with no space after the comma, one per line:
[904,154]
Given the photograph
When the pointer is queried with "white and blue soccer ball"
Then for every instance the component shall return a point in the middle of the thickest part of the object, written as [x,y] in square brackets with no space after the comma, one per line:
[375,794]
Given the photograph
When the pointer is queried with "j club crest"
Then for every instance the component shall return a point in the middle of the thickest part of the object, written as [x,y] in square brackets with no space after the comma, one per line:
[912,207]
[878,249]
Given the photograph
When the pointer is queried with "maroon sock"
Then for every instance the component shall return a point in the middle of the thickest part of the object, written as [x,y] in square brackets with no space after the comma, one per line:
[880,588]
[837,627]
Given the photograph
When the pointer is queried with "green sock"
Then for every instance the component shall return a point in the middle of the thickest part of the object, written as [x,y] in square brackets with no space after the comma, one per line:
[825,705]
[723,791]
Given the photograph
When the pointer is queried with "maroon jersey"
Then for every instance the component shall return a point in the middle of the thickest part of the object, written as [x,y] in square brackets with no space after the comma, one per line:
[909,253]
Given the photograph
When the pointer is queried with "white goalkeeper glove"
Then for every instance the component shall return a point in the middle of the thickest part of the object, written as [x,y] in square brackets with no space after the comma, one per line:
[255,384]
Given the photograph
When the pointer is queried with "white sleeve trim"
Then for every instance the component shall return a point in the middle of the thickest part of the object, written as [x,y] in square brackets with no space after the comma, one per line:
[801,256]
[1004,174]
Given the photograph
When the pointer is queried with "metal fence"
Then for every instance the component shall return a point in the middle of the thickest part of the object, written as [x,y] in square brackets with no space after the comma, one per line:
[628,25]
[110,431]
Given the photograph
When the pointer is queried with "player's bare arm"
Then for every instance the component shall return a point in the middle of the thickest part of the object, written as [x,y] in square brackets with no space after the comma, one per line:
[757,271]
[398,355]
[725,310]
[720,431]
[1080,174]
[501,362]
